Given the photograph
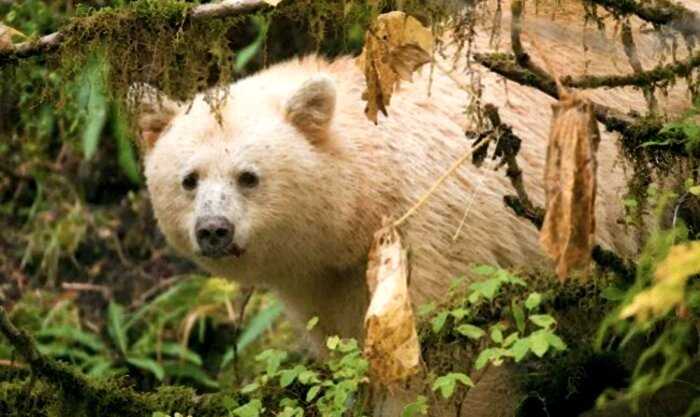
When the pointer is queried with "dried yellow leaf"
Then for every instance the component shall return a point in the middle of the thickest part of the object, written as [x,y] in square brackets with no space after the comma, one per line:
[391,341]
[567,234]
[670,278]
[396,45]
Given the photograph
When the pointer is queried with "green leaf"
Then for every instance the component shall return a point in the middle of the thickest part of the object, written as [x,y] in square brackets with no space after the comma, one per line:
[694,190]
[182,352]
[543,320]
[273,358]
[446,384]
[246,54]
[291,412]
[149,365]
[555,341]
[470,331]
[312,323]
[438,321]
[126,156]
[518,316]
[426,309]
[539,343]
[510,339]
[258,324]
[177,369]
[72,334]
[613,293]
[115,326]
[250,409]
[332,342]
[533,301]
[252,387]
[417,408]
[486,289]
[484,357]
[520,349]
[496,334]
[312,393]
[484,270]
[287,376]
[459,313]
[96,105]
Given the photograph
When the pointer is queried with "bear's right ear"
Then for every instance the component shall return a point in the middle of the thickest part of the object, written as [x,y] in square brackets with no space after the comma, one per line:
[154,112]
[311,107]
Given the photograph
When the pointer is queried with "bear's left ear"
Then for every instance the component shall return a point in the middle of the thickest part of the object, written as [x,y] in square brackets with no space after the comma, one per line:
[310,109]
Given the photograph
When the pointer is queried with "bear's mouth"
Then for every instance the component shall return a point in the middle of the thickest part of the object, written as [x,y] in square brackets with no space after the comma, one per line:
[231,250]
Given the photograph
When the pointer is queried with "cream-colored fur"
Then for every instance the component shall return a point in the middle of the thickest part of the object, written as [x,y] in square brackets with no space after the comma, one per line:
[328,175]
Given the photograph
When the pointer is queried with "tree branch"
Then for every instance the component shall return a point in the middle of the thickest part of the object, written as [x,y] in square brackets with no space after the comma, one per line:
[51,42]
[661,12]
[521,204]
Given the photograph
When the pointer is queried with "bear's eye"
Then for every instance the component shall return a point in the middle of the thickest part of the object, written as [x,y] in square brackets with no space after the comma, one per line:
[248,179]
[190,181]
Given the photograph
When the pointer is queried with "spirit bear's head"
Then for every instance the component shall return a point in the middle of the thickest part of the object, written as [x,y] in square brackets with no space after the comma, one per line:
[241,189]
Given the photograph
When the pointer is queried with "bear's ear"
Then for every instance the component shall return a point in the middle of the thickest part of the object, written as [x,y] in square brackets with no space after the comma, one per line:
[154,110]
[310,109]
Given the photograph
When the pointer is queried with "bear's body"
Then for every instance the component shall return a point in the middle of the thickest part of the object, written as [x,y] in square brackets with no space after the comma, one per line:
[306,227]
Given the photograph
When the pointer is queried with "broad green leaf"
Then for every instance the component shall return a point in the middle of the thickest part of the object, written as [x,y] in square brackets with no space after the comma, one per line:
[312,323]
[438,321]
[446,384]
[252,387]
[332,342]
[312,393]
[287,376]
[533,301]
[539,343]
[520,349]
[273,358]
[484,270]
[555,341]
[250,409]
[417,408]
[543,320]
[496,334]
[470,331]
[426,309]
[459,313]
[486,289]
[510,339]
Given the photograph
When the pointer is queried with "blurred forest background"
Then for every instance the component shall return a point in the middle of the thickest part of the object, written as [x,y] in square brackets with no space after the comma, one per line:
[124,327]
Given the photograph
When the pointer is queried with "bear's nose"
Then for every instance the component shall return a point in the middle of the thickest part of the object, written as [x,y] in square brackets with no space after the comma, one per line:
[214,235]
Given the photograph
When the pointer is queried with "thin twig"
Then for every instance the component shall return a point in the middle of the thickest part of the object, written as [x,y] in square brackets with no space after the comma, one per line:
[84,286]
[51,42]
[456,164]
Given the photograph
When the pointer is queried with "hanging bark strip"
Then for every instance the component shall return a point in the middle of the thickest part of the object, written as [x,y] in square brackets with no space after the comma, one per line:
[391,340]
[567,234]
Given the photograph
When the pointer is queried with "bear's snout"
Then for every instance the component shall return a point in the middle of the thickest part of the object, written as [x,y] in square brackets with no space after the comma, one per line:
[214,235]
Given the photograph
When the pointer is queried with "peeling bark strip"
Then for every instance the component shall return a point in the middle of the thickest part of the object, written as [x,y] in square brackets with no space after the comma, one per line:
[52,41]
[567,234]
